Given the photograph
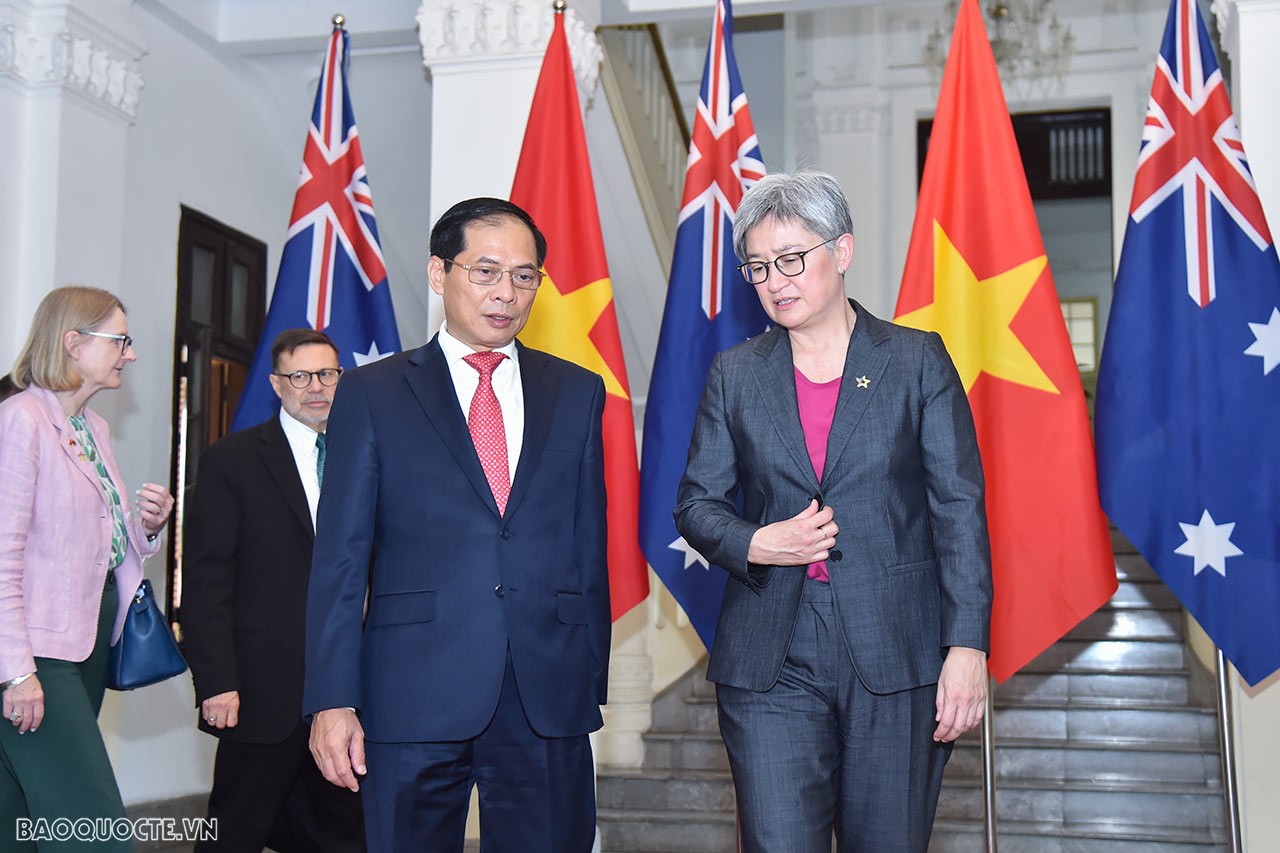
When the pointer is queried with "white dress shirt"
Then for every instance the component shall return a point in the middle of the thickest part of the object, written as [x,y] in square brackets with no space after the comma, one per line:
[506,387]
[302,441]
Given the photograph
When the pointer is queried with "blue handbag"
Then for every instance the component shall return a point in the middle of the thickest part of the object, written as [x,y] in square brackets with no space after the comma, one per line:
[146,651]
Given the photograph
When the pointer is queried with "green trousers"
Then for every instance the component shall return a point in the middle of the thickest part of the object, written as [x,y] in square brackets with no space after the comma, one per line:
[62,770]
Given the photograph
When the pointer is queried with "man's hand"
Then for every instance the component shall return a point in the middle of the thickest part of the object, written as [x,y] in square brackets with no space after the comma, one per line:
[223,710]
[802,539]
[962,693]
[337,745]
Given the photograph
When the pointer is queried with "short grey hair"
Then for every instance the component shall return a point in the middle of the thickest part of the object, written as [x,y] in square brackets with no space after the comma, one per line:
[814,199]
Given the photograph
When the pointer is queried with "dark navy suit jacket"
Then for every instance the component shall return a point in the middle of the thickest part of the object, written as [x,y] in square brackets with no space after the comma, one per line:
[911,572]
[452,584]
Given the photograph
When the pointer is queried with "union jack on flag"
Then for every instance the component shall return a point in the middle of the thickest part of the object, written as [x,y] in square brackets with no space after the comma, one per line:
[1188,389]
[1191,149]
[709,308]
[332,276]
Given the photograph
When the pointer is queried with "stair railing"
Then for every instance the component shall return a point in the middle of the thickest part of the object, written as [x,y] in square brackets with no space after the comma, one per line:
[646,108]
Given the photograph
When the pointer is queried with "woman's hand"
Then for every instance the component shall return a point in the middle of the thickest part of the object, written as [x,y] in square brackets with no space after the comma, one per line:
[24,705]
[962,693]
[805,538]
[154,505]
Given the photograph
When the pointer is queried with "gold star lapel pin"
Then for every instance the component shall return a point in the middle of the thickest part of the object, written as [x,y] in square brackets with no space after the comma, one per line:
[863,382]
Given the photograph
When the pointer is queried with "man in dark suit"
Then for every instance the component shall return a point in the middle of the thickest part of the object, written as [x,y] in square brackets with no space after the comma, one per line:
[471,472]
[248,557]
[834,473]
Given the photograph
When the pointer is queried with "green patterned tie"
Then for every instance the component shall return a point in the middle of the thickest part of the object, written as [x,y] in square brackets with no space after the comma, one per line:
[320,444]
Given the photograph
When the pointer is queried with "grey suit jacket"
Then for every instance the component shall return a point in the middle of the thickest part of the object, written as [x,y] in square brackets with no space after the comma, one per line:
[911,570]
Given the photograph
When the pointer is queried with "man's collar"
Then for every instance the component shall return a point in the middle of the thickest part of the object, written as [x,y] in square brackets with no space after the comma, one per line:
[295,429]
[455,350]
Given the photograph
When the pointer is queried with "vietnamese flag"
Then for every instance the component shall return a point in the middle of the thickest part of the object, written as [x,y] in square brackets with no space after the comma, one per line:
[573,316]
[977,274]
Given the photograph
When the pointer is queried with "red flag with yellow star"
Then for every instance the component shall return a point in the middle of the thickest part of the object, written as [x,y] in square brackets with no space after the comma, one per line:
[573,316]
[977,274]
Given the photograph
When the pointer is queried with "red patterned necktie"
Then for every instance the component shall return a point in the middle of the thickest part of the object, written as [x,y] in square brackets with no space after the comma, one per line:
[487,431]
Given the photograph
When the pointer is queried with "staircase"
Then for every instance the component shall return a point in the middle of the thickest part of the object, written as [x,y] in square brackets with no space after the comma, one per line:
[1106,742]
[681,801]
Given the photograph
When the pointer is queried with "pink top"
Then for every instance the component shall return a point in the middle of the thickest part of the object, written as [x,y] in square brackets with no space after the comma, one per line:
[817,403]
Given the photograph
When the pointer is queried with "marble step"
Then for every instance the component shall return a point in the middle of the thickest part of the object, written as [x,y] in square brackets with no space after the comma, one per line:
[1111,656]
[1131,689]
[1166,805]
[690,791]
[1080,760]
[685,750]
[1171,725]
[691,714]
[666,831]
[1131,624]
[1013,836]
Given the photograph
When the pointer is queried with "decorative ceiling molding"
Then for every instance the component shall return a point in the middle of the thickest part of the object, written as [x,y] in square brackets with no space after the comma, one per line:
[1227,17]
[492,29]
[851,118]
[74,60]
[1227,14]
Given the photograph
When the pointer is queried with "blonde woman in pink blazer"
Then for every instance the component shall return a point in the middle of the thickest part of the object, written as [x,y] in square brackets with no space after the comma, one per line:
[71,552]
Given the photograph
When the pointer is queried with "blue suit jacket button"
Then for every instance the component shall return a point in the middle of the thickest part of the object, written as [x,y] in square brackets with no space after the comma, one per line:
[835,555]
[505,534]
[498,590]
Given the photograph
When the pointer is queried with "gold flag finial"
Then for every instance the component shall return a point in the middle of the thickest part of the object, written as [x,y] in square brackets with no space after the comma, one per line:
[559,6]
[338,20]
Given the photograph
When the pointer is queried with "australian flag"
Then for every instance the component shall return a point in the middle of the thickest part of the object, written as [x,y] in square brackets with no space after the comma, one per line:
[1188,387]
[332,276]
[709,308]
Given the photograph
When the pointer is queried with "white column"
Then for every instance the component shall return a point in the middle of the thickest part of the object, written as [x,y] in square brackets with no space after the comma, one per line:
[483,57]
[1250,31]
[852,132]
[69,89]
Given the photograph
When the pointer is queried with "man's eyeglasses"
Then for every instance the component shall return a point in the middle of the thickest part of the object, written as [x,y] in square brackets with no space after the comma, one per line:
[302,378]
[487,275]
[790,264]
[124,340]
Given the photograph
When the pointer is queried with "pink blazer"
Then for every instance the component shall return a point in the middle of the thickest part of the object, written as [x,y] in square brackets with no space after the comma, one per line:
[55,535]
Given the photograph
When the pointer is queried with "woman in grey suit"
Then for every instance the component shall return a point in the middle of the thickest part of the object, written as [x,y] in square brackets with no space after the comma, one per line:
[834,473]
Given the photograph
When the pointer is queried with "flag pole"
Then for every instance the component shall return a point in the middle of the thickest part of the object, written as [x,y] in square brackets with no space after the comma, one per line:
[1226,743]
[989,768]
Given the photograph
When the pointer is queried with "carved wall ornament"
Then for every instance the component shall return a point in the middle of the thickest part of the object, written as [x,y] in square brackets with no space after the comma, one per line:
[73,61]
[1227,16]
[851,118]
[492,29]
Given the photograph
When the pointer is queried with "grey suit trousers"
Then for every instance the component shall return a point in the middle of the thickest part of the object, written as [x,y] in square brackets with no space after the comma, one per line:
[818,751]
